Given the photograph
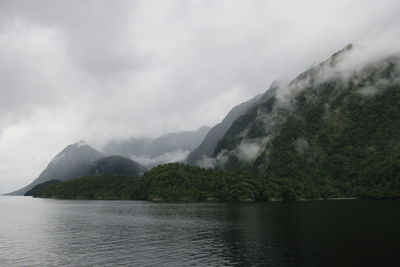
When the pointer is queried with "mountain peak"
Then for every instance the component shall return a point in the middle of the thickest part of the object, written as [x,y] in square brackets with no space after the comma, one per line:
[339,55]
[275,84]
[72,162]
[81,143]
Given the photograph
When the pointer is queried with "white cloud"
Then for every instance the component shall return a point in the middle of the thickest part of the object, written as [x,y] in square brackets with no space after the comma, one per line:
[167,157]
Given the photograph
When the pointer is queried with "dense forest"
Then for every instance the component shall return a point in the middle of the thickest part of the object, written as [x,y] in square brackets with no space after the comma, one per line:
[178,182]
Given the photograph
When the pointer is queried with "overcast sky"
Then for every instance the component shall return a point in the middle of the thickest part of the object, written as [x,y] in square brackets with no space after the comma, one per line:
[95,70]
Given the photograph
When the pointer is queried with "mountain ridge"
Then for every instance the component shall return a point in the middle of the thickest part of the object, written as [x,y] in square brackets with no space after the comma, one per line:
[332,123]
[78,160]
[170,147]
[207,147]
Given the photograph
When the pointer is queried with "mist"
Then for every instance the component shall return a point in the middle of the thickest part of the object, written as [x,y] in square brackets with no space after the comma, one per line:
[352,66]
[104,70]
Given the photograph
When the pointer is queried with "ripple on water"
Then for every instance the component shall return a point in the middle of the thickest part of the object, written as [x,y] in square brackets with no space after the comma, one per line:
[43,232]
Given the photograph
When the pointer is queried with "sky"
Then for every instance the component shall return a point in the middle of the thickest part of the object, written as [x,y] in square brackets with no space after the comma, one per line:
[98,70]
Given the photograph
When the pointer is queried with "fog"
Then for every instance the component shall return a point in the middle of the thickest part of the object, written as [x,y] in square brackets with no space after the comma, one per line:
[102,70]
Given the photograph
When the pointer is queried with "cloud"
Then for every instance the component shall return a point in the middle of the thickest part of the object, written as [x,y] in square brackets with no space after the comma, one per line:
[167,157]
[28,77]
[96,70]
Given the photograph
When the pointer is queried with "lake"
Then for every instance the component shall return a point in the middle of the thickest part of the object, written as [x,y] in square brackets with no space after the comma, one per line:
[46,232]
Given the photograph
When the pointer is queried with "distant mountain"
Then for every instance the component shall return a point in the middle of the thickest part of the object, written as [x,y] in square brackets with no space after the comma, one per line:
[72,162]
[202,155]
[78,160]
[172,147]
[116,165]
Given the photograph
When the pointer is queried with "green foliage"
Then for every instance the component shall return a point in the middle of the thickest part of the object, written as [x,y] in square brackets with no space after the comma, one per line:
[351,139]
[178,182]
[249,121]
[91,187]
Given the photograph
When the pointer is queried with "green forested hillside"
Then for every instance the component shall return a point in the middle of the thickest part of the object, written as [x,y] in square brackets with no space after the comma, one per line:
[178,182]
[344,128]
[166,182]
[338,132]
[91,187]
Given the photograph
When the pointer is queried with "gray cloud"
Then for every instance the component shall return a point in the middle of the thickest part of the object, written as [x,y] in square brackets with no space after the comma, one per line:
[96,70]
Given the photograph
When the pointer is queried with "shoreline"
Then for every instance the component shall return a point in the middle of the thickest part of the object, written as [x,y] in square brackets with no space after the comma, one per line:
[212,200]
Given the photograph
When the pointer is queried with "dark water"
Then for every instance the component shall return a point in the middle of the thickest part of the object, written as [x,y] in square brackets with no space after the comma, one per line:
[40,232]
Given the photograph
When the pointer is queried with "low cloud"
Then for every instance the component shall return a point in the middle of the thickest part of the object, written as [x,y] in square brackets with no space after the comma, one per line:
[167,157]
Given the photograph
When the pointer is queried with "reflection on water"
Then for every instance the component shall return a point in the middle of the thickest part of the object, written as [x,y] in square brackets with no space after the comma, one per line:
[40,232]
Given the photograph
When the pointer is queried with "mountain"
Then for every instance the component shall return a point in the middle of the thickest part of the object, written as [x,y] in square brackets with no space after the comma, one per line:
[172,147]
[337,121]
[78,160]
[72,162]
[251,134]
[116,165]
[206,149]
[202,155]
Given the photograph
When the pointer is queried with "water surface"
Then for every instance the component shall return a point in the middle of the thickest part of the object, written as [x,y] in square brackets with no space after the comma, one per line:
[46,232]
